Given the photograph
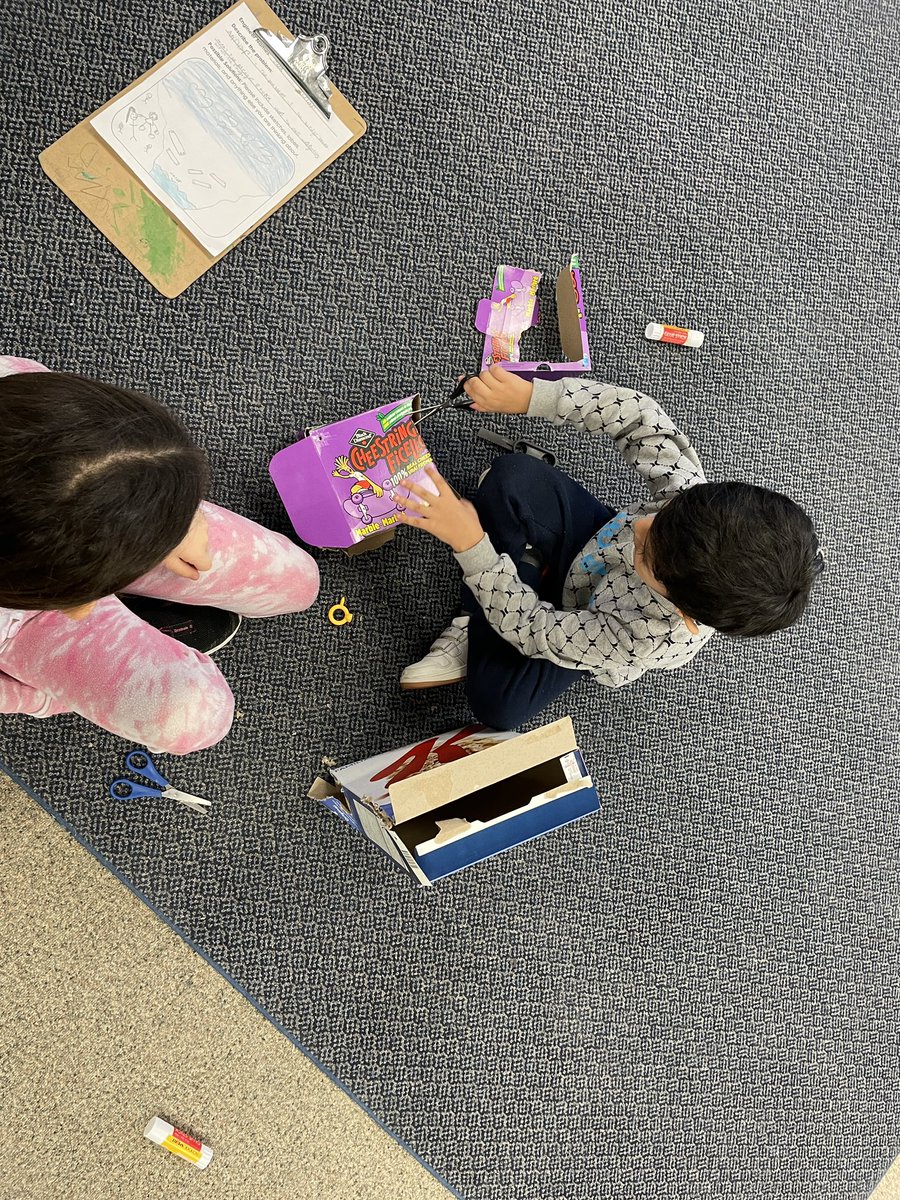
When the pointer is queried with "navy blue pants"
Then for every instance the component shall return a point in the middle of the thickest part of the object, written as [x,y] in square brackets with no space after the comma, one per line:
[524,501]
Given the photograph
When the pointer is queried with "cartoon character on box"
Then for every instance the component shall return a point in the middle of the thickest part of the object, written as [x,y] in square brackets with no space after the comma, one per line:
[511,314]
[368,502]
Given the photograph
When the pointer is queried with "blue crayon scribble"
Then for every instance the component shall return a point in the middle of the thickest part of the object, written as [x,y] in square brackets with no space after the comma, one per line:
[169,186]
[225,117]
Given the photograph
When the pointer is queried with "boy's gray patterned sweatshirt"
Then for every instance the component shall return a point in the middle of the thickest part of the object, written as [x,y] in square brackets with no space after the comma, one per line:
[611,623]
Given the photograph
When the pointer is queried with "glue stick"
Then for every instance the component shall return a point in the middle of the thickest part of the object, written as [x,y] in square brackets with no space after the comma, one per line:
[674,333]
[179,1142]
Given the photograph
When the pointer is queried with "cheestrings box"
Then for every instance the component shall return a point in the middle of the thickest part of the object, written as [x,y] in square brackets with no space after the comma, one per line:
[343,484]
[446,802]
[513,307]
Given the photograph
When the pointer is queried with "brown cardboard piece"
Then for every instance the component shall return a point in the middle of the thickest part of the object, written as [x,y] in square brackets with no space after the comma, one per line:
[375,542]
[96,180]
[423,793]
[567,315]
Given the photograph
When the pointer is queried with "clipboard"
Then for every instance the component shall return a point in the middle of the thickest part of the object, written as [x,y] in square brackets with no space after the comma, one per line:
[109,194]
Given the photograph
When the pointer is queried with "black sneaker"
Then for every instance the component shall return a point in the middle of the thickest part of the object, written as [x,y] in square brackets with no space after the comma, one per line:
[201,628]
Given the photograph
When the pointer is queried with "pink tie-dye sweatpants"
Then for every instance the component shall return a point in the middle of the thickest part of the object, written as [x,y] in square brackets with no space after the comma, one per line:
[120,673]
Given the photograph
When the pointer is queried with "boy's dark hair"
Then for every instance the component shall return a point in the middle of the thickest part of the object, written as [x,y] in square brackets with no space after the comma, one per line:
[734,556]
[97,485]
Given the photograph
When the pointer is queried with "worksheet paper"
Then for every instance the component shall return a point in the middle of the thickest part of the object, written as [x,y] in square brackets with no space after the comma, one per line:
[221,134]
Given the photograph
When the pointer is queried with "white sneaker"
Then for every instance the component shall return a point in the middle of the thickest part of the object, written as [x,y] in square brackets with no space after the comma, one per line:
[444,663]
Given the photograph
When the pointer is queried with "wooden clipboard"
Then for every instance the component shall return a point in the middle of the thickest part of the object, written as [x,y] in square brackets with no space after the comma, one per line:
[98,182]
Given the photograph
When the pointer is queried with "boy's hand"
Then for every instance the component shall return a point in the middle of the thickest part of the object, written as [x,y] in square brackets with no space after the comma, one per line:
[444,515]
[496,390]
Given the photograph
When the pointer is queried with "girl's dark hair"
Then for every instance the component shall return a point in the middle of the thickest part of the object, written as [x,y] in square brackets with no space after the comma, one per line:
[737,557]
[97,485]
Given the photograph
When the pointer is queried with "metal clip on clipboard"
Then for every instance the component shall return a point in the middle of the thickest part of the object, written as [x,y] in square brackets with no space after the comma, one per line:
[305,59]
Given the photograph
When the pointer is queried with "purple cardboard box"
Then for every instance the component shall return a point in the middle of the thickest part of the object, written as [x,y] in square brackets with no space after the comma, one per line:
[512,308]
[344,483]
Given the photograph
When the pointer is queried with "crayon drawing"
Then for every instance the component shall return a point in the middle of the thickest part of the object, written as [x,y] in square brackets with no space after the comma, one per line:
[219,134]
[198,141]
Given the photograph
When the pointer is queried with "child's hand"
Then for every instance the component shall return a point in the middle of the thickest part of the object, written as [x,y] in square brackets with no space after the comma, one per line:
[191,555]
[444,515]
[496,390]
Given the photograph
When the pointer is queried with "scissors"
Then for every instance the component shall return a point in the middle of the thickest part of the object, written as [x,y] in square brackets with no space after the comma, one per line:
[453,400]
[140,763]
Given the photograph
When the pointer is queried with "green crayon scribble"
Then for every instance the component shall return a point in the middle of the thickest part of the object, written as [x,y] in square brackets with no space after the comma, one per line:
[161,236]
[115,210]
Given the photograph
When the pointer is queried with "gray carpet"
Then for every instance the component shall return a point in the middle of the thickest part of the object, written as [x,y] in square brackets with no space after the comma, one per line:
[695,994]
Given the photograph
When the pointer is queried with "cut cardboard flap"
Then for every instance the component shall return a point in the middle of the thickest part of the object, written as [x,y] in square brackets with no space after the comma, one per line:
[454,828]
[423,793]
[570,315]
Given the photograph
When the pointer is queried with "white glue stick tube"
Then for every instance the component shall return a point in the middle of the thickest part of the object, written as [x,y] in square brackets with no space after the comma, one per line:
[179,1142]
[674,333]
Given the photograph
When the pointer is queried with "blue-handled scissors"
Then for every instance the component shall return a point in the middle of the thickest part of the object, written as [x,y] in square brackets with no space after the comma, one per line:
[140,763]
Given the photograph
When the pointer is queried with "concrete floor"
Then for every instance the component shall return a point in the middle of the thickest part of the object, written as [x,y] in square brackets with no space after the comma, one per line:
[108,1019]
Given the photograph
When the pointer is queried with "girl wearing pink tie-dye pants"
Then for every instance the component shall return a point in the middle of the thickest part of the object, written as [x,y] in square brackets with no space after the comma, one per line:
[101,492]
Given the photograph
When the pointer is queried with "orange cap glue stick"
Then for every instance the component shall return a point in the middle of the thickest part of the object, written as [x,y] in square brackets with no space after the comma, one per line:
[179,1142]
[674,333]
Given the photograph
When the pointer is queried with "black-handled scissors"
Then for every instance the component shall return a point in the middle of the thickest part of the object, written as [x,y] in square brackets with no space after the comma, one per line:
[457,398]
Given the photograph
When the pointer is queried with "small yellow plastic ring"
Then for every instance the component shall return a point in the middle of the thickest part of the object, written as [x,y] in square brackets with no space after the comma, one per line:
[340,614]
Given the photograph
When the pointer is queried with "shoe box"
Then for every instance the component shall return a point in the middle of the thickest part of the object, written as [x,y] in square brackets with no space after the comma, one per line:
[447,802]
